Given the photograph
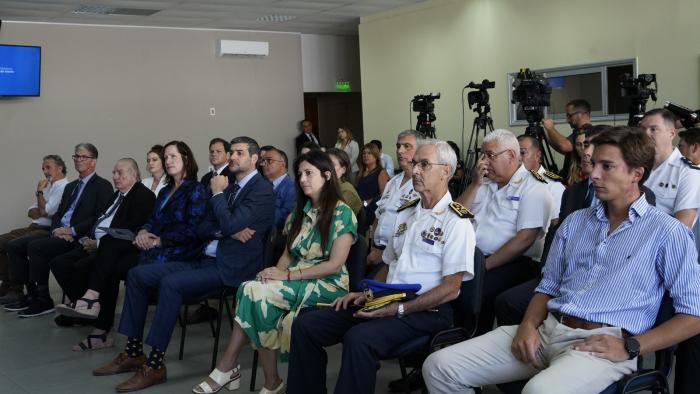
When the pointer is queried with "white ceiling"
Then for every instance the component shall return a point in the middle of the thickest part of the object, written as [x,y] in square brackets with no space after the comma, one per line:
[310,16]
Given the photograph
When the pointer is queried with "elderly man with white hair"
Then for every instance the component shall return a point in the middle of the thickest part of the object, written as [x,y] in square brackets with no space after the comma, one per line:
[432,245]
[512,211]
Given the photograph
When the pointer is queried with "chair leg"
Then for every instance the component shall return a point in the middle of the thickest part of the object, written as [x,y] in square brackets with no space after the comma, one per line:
[404,376]
[254,370]
[217,333]
[228,311]
[183,332]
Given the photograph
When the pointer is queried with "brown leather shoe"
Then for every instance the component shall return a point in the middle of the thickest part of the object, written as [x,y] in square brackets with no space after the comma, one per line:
[144,377]
[122,363]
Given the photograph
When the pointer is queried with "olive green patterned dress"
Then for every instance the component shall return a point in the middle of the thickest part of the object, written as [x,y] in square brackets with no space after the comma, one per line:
[266,311]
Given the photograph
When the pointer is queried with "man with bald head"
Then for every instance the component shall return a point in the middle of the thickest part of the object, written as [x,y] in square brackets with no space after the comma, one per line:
[100,260]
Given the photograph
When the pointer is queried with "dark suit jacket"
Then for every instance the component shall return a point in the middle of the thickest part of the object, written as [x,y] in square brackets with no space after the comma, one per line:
[175,221]
[94,199]
[134,210]
[206,179]
[301,139]
[237,261]
[285,197]
[572,200]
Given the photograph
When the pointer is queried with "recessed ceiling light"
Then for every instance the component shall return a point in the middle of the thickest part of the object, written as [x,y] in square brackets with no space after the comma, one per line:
[275,18]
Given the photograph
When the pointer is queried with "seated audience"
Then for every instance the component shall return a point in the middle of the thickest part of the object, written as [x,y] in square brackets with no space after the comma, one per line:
[387,161]
[591,315]
[82,202]
[341,164]
[47,197]
[371,179]
[226,262]
[312,270]
[433,246]
[274,165]
[397,192]
[347,143]
[512,209]
[155,167]
[90,273]
[219,154]
[531,157]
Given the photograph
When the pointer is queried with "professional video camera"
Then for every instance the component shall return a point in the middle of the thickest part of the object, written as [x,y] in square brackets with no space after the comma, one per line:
[638,91]
[532,92]
[687,116]
[424,104]
[480,97]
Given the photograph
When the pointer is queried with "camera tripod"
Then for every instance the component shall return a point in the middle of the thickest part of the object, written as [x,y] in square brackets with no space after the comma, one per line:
[638,108]
[536,130]
[424,124]
[482,124]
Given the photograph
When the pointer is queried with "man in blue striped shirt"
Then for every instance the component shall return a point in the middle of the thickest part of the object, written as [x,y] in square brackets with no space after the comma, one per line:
[595,307]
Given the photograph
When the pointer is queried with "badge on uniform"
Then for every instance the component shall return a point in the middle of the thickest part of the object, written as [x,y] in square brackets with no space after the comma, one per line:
[435,234]
[400,230]
[514,198]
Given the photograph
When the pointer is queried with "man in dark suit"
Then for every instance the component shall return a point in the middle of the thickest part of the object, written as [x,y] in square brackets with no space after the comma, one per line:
[82,201]
[100,261]
[307,135]
[228,261]
[219,154]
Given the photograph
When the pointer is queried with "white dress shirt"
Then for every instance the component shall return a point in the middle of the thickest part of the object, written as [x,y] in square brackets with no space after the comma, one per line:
[52,195]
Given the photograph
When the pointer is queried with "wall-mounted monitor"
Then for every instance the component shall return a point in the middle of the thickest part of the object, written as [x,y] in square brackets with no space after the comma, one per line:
[20,70]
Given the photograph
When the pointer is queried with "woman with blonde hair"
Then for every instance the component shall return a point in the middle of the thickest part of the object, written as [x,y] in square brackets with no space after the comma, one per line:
[347,143]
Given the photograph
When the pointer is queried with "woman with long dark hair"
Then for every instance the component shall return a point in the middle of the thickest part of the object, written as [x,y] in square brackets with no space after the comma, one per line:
[155,164]
[312,270]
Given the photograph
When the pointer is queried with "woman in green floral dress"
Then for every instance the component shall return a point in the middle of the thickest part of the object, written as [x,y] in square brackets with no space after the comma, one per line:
[312,270]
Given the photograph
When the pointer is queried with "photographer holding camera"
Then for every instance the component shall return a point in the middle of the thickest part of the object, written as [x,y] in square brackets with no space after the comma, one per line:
[578,114]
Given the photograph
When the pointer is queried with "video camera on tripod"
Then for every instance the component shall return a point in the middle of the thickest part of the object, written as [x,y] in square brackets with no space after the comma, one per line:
[687,116]
[532,93]
[424,104]
[638,91]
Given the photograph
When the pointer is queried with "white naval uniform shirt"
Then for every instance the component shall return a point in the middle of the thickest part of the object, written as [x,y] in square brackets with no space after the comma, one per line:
[676,184]
[429,244]
[524,202]
[395,195]
[556,190]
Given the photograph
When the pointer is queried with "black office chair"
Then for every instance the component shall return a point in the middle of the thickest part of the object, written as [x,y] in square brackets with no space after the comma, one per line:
[355,264]
[466,308]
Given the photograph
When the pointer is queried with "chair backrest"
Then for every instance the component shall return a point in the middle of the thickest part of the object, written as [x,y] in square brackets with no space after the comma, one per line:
[467,305]
[664,357]
[275,242]
[355,263]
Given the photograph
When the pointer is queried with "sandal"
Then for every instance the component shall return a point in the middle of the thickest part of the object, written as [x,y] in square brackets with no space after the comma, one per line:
[94,342]
[231,380]
[89,311]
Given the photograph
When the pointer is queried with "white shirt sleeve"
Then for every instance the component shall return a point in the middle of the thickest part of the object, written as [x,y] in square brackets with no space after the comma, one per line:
[53,200]
[688,196]
[557,190]
[458,252]
[535,208]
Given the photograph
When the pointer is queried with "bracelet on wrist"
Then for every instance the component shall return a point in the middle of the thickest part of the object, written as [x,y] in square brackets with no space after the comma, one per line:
[289,275]
[300,277]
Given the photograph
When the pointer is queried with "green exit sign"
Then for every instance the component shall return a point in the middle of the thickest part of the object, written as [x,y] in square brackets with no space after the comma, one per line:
[342,86]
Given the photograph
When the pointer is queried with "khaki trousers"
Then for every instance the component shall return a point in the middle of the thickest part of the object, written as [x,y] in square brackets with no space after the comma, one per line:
[488,360]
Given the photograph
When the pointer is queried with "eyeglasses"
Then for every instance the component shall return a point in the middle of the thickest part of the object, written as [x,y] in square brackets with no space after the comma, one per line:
[81,157]
[424,165]
[491,155]
[267,161]
[571,115]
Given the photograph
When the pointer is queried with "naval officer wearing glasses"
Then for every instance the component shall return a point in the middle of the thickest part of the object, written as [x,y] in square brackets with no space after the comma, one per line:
[512,211]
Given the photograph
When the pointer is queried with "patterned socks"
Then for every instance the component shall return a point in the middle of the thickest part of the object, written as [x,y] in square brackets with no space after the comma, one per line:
[155,359]
[134,347]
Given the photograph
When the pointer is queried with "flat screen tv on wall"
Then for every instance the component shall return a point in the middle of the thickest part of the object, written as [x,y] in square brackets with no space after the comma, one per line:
[20,70]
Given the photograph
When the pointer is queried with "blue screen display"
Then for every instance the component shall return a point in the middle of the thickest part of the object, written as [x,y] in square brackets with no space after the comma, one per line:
[20,70]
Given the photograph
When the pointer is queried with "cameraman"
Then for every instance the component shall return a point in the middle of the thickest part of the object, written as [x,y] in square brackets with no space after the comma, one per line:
[578,114]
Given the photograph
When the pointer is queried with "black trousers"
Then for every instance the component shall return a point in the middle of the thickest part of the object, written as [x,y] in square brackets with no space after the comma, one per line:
[687,366]
[511,305]
[365,342]
[498,280]
[102,270]
[18,268]
[40,252]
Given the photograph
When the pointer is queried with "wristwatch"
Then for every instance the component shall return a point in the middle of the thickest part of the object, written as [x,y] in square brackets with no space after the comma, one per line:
[632,347]
[39,192]
[400,312]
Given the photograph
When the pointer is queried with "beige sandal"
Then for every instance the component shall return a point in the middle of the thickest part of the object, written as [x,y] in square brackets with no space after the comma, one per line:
[94,342]
[231,380]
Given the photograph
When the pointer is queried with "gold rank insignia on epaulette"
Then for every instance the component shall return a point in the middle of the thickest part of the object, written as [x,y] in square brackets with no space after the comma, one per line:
[553,176]
[408,205]
[460,210]
[538,176]
[690,163]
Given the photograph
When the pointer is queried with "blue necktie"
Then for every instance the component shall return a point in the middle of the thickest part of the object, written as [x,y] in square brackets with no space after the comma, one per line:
[234,191]
[65,220]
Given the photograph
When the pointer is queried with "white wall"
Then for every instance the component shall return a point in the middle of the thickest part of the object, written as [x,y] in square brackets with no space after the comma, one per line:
[327,59]
[442,45]
[127,88]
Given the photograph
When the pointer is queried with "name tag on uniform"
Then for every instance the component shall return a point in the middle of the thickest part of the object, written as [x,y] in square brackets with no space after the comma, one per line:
[514,198]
